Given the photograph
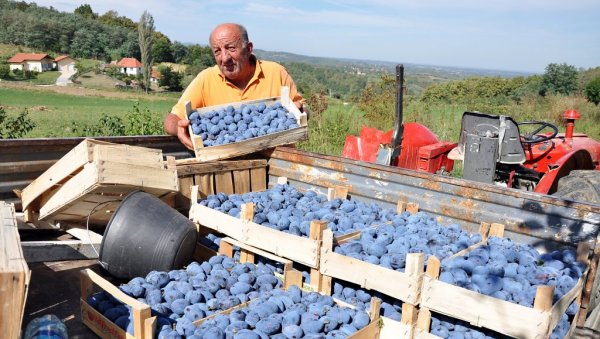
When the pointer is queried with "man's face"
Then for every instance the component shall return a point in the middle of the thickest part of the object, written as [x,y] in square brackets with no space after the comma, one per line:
[231,55]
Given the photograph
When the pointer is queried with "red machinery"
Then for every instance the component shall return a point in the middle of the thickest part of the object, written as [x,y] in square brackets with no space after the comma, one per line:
[493,150]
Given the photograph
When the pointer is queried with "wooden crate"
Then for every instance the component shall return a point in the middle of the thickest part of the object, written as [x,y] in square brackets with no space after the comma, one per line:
[143,322]
[255,144]
[227,176]
[303,250]
[371,331]
[14,274]
[93,178]
[405,286]
[293,247]
[422,329]
[495,314]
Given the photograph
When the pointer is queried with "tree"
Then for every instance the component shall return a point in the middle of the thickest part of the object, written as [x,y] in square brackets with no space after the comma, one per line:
[86,11]
[592,91]
[559,78]
[169,79]
[146,36]
[162,50]
[179,52]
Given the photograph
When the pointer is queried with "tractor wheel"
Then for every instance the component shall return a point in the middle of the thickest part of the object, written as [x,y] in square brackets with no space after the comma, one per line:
[580,185]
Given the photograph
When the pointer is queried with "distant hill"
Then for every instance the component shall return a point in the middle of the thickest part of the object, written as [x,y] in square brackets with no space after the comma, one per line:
[373,66]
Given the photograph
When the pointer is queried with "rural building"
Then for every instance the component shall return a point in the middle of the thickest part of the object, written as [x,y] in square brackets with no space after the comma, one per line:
[65,63]
[130,66]
[155,75]
[38,62]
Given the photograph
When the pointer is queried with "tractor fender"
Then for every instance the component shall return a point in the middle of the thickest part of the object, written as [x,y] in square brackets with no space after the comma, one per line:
[576,160]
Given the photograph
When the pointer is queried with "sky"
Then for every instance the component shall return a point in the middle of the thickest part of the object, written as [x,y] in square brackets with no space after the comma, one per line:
[513,35]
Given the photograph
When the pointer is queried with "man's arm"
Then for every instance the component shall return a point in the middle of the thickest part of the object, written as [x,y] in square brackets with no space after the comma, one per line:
[178,127]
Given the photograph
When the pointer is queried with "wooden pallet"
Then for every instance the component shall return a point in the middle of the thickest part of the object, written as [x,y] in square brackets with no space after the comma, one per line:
[93,178]
[493,313]
[143,323]
[256,144]
[14,274]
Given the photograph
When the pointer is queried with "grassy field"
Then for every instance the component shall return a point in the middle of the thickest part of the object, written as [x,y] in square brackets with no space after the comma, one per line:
[55,113]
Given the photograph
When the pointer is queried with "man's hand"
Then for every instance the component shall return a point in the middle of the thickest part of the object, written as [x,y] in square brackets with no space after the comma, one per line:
[183,134]
[176,126]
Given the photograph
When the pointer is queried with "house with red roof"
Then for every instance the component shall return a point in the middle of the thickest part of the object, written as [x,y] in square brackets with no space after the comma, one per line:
[65,63]
[38,62]
[130,66]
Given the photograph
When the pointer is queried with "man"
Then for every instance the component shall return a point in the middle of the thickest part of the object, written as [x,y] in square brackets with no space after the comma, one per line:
[237,76]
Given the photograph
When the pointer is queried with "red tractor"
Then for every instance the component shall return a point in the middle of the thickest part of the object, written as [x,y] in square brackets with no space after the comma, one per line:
[493,151]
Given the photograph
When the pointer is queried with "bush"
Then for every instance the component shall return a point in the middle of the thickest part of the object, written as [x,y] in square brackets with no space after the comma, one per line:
[560,78]
[13,128]
[106,126]
[592,91]
[142,122]
[4,71]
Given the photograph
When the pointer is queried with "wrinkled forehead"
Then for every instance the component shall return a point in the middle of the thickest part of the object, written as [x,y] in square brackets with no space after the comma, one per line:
[223,37]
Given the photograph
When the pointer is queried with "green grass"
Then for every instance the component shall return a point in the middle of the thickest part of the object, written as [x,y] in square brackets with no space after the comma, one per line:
[46,78]
[55,113]
[327,132]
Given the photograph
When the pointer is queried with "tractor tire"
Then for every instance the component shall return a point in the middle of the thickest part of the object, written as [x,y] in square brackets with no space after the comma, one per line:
[580,185]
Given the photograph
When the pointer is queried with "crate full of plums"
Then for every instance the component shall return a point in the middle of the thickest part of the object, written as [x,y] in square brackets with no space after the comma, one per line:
[234,129]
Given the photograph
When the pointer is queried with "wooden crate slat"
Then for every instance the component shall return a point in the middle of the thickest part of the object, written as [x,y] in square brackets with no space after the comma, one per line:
[124,174]
[258,179]
[224,182]
[14,274]
[217,221]
[187,167]
[206,186]
[293,247]
[241,180]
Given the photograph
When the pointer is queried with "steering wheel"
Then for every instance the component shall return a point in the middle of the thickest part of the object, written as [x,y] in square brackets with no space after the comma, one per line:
[533,138]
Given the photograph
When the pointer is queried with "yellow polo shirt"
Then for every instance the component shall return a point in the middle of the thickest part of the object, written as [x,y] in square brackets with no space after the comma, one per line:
[210,87]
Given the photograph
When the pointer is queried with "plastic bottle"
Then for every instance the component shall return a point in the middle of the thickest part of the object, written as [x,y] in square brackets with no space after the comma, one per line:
[46,327]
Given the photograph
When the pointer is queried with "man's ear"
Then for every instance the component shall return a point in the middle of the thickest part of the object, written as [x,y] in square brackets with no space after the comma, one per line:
[250,47]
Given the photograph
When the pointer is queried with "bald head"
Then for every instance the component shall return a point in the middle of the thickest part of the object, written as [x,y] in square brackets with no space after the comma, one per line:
[230,29]
[233,53]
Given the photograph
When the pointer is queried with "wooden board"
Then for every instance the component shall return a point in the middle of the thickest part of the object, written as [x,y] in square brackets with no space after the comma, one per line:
[300,249]
[255,144]
[102,326]
[14,274]
[405,286]
[100,182]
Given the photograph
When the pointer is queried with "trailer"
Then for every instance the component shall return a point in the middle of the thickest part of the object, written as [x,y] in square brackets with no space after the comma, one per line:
[543,221]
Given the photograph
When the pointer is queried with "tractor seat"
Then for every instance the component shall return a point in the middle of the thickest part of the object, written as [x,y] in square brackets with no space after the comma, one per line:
[486,140]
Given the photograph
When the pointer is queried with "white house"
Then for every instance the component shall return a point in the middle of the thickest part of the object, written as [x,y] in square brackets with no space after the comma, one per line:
[31,62]
[130,66]
[65,63]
